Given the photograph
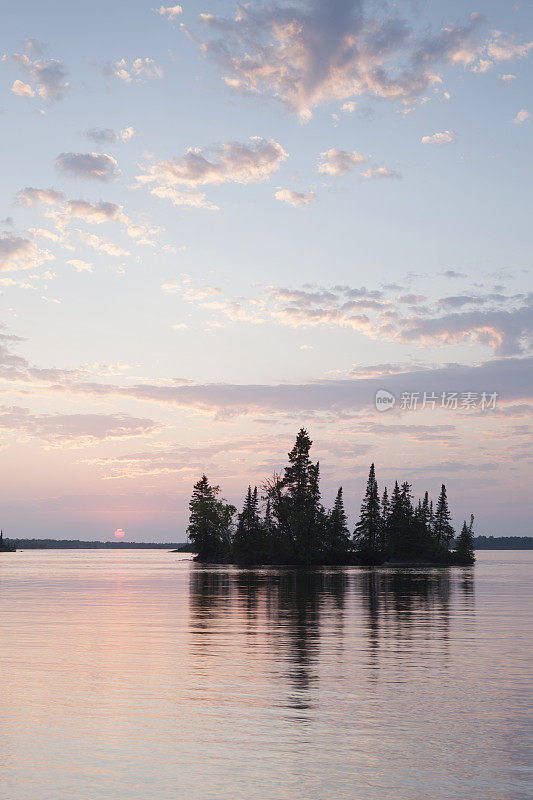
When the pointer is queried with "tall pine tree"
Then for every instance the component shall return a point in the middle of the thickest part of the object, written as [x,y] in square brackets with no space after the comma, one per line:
[338,537]
[368,531]
[442,526]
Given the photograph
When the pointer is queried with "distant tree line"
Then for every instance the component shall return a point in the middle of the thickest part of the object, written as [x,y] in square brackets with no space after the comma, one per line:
[503,542]
[289,525]
[79,544]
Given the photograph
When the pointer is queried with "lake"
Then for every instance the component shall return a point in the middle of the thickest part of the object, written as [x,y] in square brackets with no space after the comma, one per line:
[140,676]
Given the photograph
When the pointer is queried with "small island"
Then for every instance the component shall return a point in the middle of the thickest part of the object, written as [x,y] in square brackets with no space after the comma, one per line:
[293,528]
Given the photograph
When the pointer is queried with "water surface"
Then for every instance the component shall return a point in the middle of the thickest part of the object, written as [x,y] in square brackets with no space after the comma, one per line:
[140,676]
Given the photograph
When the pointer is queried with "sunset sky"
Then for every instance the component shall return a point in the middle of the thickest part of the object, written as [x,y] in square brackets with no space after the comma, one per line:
[221,222]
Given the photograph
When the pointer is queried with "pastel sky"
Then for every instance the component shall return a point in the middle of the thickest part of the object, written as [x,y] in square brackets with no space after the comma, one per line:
[221,222]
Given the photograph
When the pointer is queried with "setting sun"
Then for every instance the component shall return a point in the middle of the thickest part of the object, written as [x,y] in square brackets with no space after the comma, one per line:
[119,533]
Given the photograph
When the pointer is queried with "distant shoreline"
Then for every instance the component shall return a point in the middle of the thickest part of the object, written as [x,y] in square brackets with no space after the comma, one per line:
[480,543]
[77,544]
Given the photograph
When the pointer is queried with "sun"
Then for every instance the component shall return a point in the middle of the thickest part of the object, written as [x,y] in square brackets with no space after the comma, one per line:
[119,533]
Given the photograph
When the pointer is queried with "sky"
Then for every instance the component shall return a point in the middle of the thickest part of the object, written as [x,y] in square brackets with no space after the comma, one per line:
[221,222]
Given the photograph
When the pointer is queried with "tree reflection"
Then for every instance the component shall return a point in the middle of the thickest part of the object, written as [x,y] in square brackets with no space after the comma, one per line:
[301,622]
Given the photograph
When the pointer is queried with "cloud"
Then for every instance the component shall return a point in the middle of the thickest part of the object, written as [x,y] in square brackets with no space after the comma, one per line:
[80,266]
[498,48]
[170,12]
[232,162]
[338,162]
[440,138]
[191,199]
[511,378]
[379,172]
[19,253]
[507,332]
[109,136]
[22,89]
[96,166]
[30,196]
[521,117]
[48,76]
[141,69]
[295,198]
[452,273]
[94,212]
[304,53]
[101,245]
[74,429]
[507,78]
[63,212]
[504,323]
[349,107]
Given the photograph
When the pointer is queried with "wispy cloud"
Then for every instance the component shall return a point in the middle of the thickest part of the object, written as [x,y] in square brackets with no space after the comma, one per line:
[380,172]
[47,76]
[170,12]
[293,198]
[139,70]
[58,430]
[446,137]
[522,116]
[109,136]
[338,162]
[19,253]
[232,162]
[95,166]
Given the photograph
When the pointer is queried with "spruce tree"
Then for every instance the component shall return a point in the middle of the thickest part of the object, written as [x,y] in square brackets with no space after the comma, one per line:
[249,540]
[385,511]
[338,540]
[464,550]
[442,527]
[296,506]
[210,522]
[368,530]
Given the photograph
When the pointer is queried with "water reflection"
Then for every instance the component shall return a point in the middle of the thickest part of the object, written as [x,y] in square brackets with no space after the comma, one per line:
[299,619]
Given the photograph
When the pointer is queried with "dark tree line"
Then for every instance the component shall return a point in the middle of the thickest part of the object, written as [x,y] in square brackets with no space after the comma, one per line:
[289,524]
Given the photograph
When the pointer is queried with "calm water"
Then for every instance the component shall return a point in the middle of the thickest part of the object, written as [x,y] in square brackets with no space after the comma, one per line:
[139,675]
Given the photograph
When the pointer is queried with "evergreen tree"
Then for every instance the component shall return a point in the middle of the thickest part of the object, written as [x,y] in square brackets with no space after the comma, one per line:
[385,512]
[210,522]
[296,507]
[442,527]
[464,550]
[249,542]
[269,530]
[368,530]
[426,514]
[338,541]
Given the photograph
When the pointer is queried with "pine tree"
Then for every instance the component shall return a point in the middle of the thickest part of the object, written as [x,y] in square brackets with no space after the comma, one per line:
[464,550]
[269,530]
[385,512]
[338,542]
[296,506]
[210,522]
[442,527]
[368,530]
[249,545]
[426,513]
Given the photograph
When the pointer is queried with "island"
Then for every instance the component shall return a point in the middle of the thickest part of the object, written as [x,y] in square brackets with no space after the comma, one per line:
[293,528]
